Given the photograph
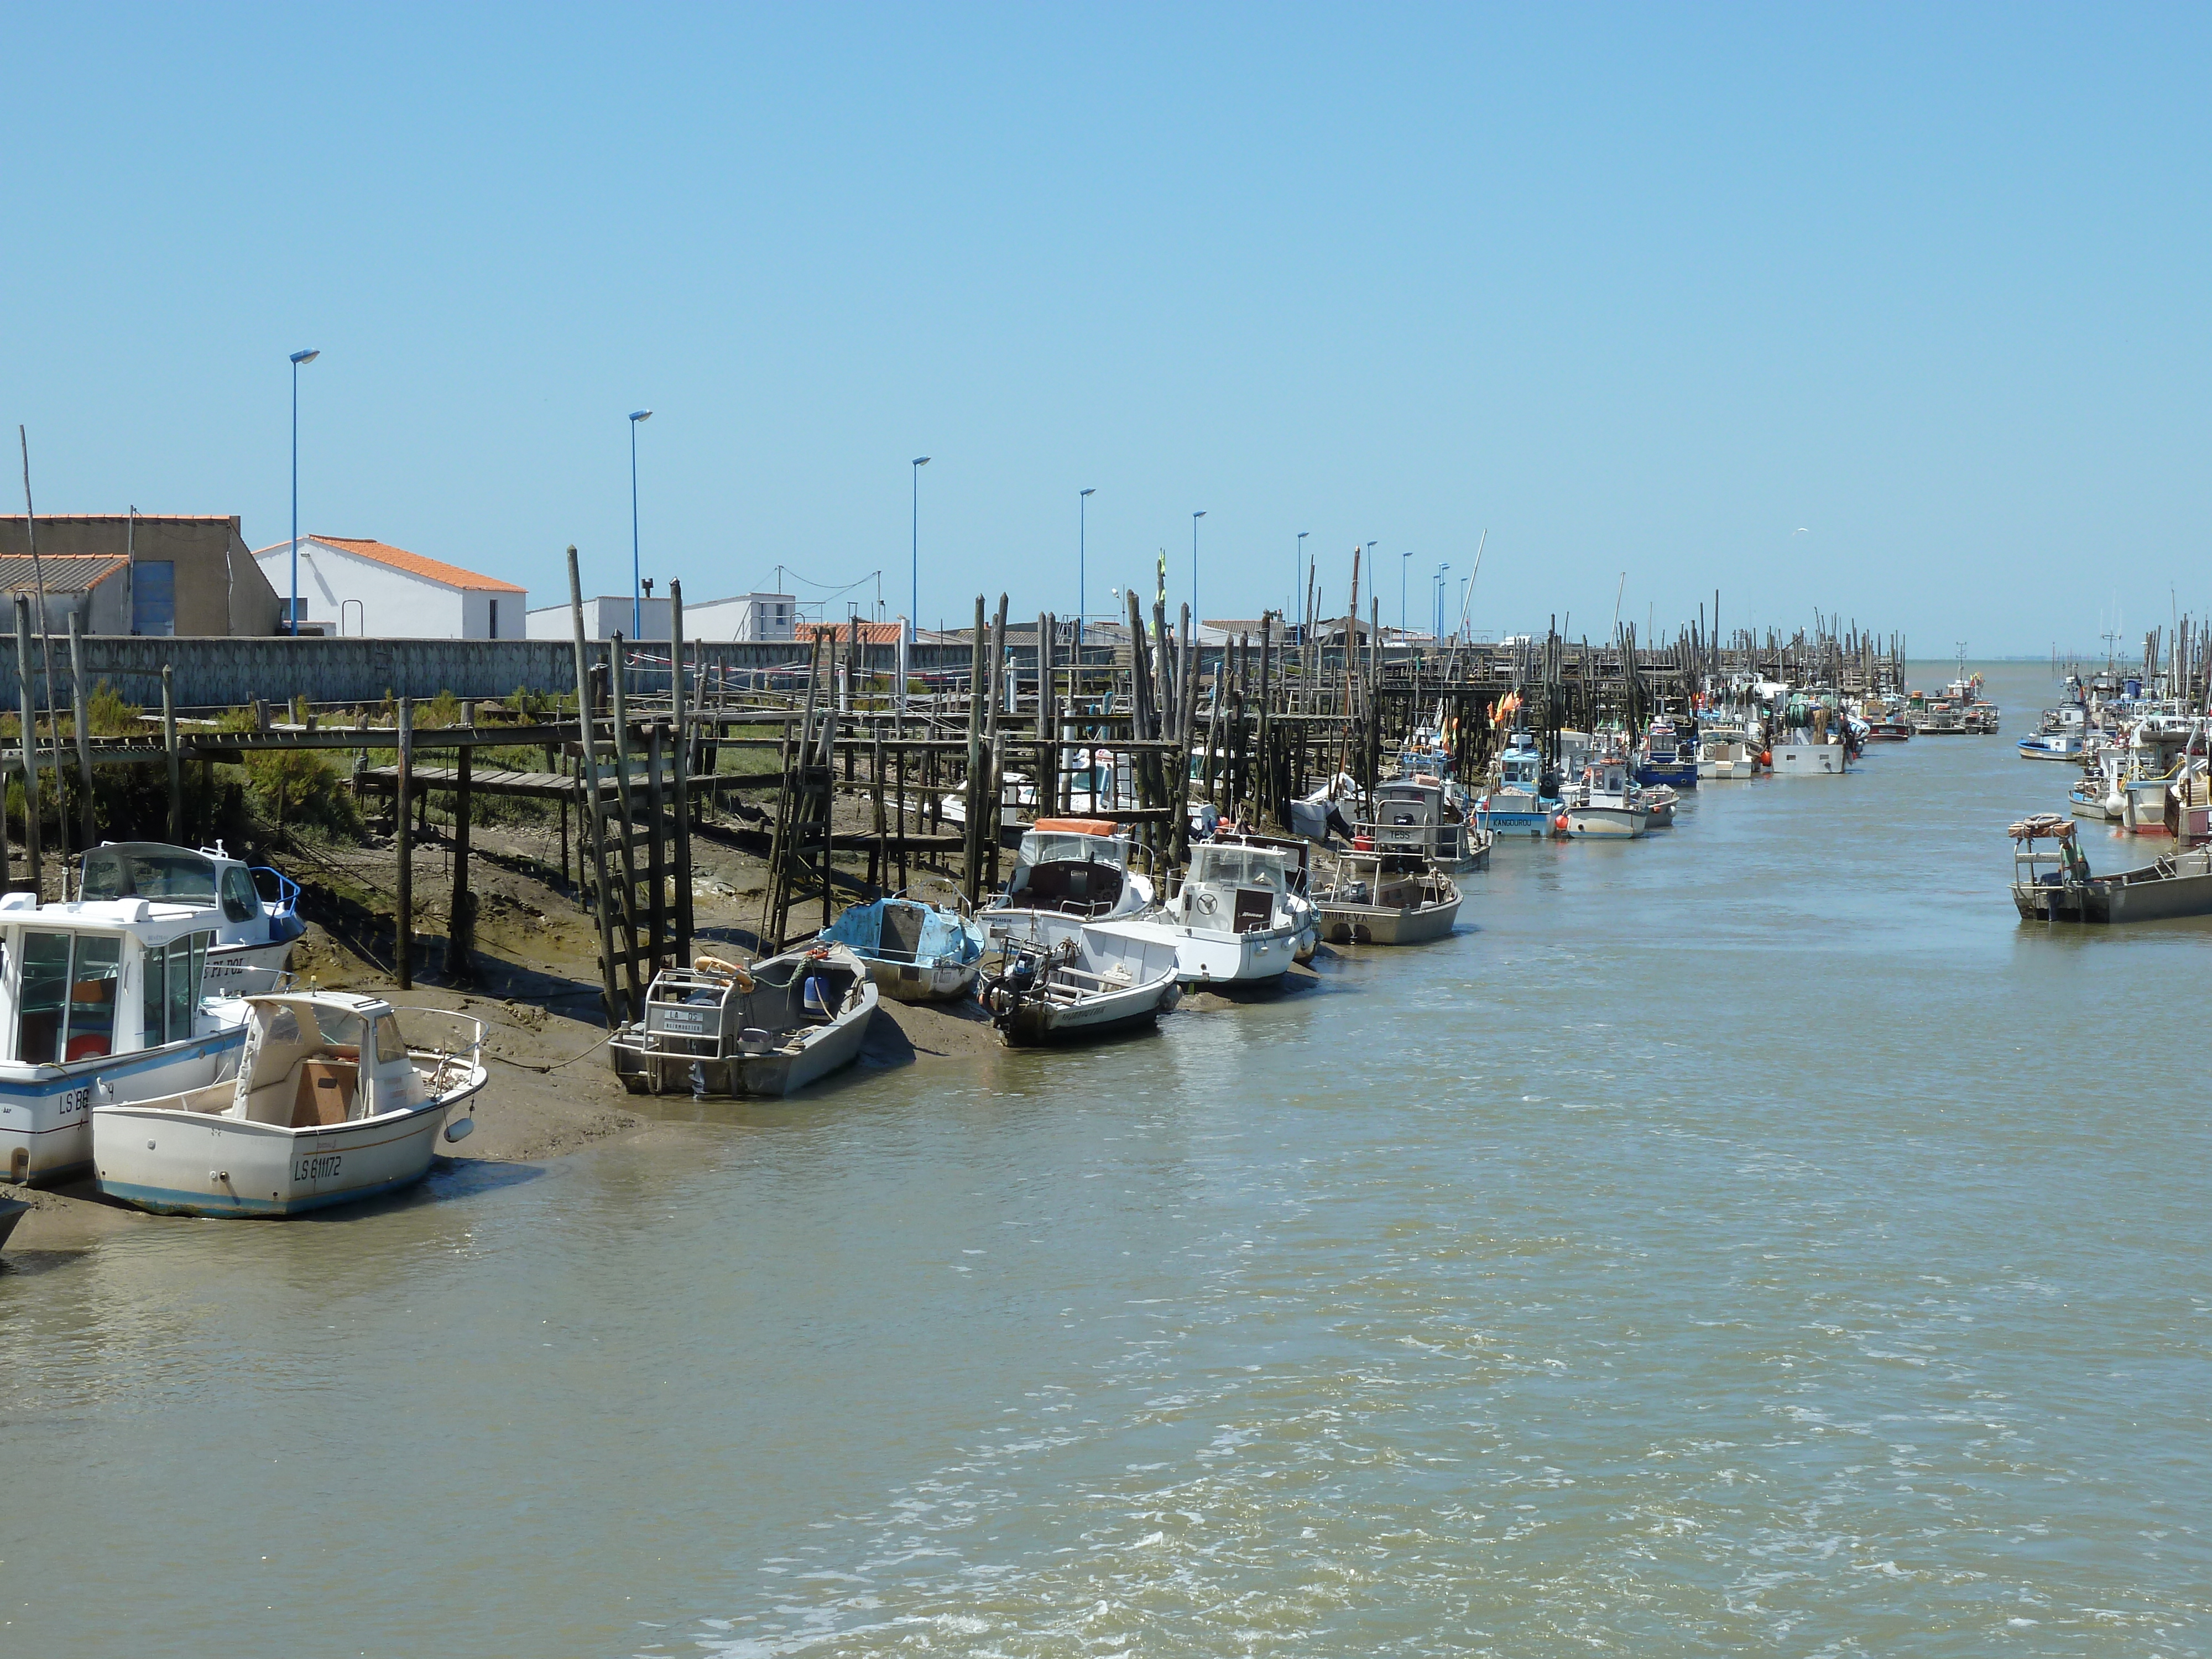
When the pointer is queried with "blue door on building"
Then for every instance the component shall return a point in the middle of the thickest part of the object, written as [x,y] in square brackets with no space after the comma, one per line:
[154,596]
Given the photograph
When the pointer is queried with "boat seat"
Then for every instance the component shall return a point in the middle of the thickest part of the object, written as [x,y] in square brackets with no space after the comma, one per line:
[323,1092]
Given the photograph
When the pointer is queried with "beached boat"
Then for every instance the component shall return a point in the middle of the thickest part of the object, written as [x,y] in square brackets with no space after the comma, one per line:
[101,1001]
[1233,920]
[1062,981]
[332,1103]
[915,951]
[254,911]
[1523,797]
[718,1029]
[1073,867]
[2057,884]
[1380,898]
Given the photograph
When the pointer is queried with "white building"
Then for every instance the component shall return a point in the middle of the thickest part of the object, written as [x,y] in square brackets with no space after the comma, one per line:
[605,616]
[743,616]
[746,617]
[351,586]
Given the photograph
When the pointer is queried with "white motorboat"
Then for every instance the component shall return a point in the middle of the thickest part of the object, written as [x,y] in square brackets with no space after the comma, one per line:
[1235,920]
[2051,746]
[1724,754]
[1382,898]
[1605,803]
[1075,867]
[718,1029]
[101,1002]
[1064,980]
[332,1102]
[255,920]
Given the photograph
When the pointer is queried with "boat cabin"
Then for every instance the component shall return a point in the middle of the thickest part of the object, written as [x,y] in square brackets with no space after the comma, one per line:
[1521,767]
[84,980]
[206,879]
[314,1060]
[1078,867]
[1236,887]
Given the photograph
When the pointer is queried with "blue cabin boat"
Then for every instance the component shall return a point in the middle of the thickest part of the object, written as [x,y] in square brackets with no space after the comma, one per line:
[915,951]
[1525,799]
[1671,753]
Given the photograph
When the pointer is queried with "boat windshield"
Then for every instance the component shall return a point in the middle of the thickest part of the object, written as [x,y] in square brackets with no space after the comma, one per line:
[1237,867]
[170,874]
[1056,846]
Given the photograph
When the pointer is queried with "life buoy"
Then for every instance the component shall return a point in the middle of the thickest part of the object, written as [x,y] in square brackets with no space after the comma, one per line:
[722,968]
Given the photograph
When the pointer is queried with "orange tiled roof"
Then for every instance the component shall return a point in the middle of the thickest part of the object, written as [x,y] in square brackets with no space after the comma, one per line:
[871,632]
[435,570]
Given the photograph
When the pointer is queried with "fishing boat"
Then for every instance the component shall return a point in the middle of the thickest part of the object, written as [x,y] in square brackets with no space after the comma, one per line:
[718,1029]
[2051,746]
[1807,752]
[1075,867]
[253,929]
[1062,981]
[1671,753]
[1660,801]
[1523,797]
[332,1102]
[1417,817]
[915,951]
[1725,754]
[1892,727]
[1234,921]
[2057,884]
[1603,803]
[101,1001]
[1381,899]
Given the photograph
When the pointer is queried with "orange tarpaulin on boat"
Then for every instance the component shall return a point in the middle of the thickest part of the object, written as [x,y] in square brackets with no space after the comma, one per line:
[1078,826]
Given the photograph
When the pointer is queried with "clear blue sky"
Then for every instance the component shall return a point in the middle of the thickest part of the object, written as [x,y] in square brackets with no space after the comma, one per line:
[1643,290]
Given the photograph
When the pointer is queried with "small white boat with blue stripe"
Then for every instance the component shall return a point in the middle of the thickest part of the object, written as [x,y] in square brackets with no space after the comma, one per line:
[101,1000]
[332,1102]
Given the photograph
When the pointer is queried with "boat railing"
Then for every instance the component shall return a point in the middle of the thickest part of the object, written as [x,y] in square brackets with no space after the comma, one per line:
[453,1041]
[286,899]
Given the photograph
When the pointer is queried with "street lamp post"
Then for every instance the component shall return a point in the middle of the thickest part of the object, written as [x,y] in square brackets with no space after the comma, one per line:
[298,357]
[1082,586]
[1442,582]
[919,462]
[636,606]
[1194,518]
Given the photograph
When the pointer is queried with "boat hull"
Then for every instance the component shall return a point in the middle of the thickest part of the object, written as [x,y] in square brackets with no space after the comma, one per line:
[1211,956]
[174,1162]
[907,982]
[1040,1024]
[1606,822]
[2115,899]
[245,971]
[45,1111]
[1808,760]
[1369,924]
[1532,822]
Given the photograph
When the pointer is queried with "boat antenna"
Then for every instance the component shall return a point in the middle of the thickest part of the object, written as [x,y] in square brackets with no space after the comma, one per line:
[45,650]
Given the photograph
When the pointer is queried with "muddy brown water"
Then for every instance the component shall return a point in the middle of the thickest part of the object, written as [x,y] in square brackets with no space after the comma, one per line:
[1752,1239]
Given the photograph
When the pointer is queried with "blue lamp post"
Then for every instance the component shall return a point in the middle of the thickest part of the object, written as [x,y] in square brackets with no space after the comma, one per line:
[298,357]
[1082,587]
[1194,518]
[636,605]
[913,627]
[1442,582]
